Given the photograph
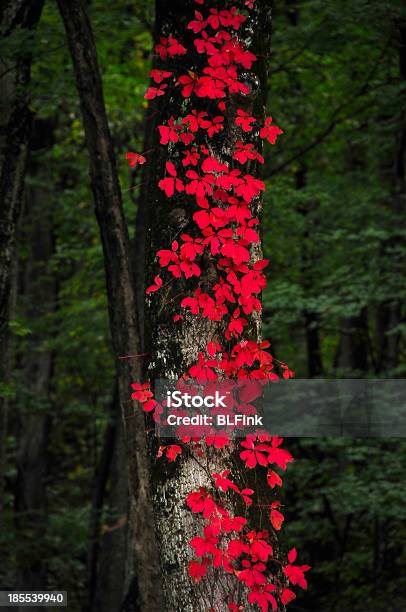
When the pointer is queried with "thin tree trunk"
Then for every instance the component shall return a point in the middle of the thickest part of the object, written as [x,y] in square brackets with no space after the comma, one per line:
[37,298]
[311,318]
[173,348]
[142,576]
[352,353]
[388,319]
[110,538]
[391,312]
[314,358]
[98,500]
[15,128]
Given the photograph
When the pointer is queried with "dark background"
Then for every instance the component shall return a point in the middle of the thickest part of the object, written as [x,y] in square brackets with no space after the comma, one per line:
[334,231]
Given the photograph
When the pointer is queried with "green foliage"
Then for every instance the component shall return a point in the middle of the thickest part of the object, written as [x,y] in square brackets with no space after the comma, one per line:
[347,509]
[334,234]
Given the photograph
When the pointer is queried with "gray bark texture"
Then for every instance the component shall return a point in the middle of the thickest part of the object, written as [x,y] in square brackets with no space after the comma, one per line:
[173,348]
[17,19]
[141,584]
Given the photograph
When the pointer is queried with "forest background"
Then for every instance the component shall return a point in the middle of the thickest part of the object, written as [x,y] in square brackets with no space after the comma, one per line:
[334,230]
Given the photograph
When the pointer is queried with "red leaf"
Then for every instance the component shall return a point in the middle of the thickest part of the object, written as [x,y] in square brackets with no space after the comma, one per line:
[191,157]
[212,349]
[169,46]
[189,82]
[171,183]
[197,570]
[252,575]
[170,132]
[263,597]
[280,456]
[199,185]
[175,48]
[254,454]
[270,132]
[134,159]
[155,92]
[260,549]
[295,574]
[157,285]
[201,501]
[261,264]
[276,518]
[244,120]
[224,483]
[287,596]
[250,188]
[159,75]
[149,405]
[202,218]
[211,164]
[244,152]
[198,24]
[172,451]
[273,479]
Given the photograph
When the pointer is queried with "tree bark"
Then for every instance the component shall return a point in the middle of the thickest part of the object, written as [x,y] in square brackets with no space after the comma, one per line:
[391,313]
[37,297]
[98,501]
[142,576]
[173,348]
[15,128]
[110,539]
[352,354]
[311,318]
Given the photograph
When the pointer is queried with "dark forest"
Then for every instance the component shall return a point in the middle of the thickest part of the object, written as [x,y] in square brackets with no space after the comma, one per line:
[74,460]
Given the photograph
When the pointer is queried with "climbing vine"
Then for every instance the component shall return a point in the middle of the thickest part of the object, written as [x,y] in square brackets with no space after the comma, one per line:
[224,192]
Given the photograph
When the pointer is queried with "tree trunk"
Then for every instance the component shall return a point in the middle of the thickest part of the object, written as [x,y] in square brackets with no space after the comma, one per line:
[142,577]
[391,312]
[37,298]
[15,128]
[311,318]
[352,353]
[109,540]
[173,348]
[314,359]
